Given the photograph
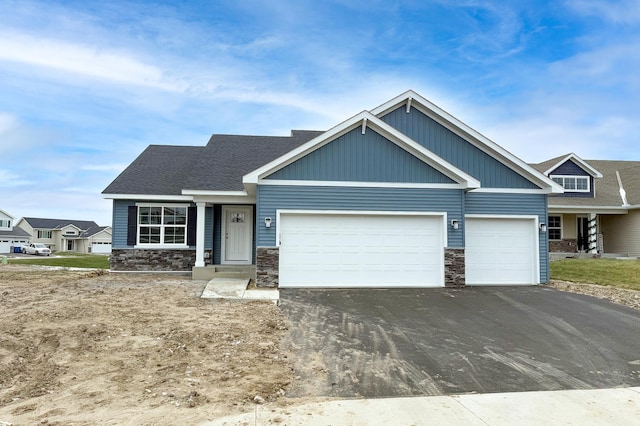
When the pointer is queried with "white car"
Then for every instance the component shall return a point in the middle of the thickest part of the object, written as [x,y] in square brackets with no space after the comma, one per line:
[37,249]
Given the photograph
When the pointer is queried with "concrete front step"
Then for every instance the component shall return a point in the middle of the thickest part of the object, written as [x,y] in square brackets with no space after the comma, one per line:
[210,272]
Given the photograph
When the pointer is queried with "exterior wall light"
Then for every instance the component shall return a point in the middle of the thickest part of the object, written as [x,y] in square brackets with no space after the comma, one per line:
[543,227]
[455,224]
[267,222]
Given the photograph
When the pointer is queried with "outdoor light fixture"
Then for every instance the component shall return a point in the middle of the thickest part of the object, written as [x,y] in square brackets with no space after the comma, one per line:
[454,223]
[543,227]
[267,222]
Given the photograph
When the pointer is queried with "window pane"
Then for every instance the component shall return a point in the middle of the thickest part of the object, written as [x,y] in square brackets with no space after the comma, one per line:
[150,215]
[174,235]
[149,235]
[554,234]
[554,221]
[558,180]
[582,184]
[175,215]
[569,183]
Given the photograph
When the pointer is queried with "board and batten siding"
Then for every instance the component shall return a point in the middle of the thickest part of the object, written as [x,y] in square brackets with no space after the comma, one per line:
[569,168]
[121,219]
[361,158]
[621,233]
[514,204]
[443,142]
[272,198]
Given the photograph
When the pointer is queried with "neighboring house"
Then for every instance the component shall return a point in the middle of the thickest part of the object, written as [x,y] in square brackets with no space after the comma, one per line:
[80,236]
[599,211]
[10,235]
[403,195]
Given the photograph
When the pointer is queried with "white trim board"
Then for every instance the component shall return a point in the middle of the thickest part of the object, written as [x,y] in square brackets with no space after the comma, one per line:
[369,121]
[280,212]
[581,163]
[469,134]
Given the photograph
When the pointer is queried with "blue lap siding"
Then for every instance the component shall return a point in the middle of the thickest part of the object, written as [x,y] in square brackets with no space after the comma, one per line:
[271,198]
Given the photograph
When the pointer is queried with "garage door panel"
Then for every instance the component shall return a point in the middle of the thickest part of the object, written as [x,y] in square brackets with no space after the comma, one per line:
[360,250]
[500,251]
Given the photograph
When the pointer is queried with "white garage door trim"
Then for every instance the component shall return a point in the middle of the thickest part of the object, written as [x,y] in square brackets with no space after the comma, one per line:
[441,219]
[533,277]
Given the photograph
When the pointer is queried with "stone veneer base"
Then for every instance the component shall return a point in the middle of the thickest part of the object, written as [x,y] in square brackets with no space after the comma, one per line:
[454,267]
[161,260]
[267,266]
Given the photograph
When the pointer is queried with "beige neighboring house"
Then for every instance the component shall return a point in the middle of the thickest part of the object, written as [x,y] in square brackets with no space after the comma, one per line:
[599,212]
[10,235]
[68,235]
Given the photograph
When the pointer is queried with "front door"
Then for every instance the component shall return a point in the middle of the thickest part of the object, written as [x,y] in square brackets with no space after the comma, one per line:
[583,233]
[69,245]
[237,234]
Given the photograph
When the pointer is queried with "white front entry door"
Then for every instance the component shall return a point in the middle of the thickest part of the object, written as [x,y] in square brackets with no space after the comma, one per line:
[237,234]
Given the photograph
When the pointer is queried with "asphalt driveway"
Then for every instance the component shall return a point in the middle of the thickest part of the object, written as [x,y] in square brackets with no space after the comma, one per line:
[376,343]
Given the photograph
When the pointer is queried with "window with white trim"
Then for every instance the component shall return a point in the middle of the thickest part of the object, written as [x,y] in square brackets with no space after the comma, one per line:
[164,224]
[554,227]
[5,224]
[573,183]
[47,235]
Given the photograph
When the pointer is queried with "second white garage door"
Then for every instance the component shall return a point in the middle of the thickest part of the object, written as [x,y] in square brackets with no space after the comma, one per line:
[375,250]
[501,251]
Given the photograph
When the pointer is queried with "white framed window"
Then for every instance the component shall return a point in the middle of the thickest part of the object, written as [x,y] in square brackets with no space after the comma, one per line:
[573,183]
[45,234]
[554,227]
[162,225]
[5,223]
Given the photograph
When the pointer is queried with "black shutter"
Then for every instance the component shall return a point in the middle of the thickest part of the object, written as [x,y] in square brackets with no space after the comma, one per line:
[132,226]
[192,214]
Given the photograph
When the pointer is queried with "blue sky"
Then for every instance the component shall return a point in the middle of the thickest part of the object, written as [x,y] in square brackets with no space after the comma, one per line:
[85,86]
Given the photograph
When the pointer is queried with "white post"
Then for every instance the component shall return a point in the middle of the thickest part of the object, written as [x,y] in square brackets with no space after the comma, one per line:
[200,234]
[593,234]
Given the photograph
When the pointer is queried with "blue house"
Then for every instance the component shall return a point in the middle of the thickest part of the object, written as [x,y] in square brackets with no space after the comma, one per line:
[404,195]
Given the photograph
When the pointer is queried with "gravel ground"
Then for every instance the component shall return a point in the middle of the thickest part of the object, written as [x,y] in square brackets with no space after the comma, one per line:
[621,296]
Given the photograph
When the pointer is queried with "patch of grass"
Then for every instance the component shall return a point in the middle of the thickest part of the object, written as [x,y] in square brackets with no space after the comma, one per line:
[612,272]
[86,261]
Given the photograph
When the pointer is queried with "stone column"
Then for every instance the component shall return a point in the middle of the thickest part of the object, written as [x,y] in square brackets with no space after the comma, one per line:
[200,217]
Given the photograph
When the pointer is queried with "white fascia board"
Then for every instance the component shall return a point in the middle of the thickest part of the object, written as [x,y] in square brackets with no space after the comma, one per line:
[377,125]
[468,133]
[513,190]
[583,164]
[7,215]
[428,157]
[589,209]
[214,193]
[359,184]
[147,197]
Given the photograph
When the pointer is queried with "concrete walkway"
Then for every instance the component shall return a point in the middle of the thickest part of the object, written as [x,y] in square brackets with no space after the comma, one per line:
[574,407]
[236,289]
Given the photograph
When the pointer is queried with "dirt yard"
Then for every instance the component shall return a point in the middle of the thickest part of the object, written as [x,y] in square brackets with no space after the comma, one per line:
[83,348]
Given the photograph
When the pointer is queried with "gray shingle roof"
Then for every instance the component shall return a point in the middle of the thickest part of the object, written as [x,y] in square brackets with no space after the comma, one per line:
[42,223]
[218,166]
[17,232]
[607,190]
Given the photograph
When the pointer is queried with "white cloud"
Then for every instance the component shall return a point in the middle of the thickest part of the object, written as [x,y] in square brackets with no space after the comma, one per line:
[9,179]
[90,61]
[115,167]
[617,12]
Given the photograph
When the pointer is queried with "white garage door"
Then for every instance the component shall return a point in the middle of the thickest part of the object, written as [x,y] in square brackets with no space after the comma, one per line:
[5,246]
[501,251]
[342,250]
[101,248]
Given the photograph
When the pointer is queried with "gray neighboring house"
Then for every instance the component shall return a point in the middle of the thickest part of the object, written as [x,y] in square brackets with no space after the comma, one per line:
[82,236]
[403,195]
[599,211]
[10,235]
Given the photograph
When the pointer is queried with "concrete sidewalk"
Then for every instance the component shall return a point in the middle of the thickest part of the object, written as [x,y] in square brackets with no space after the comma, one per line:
[236,289]
[573,407]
